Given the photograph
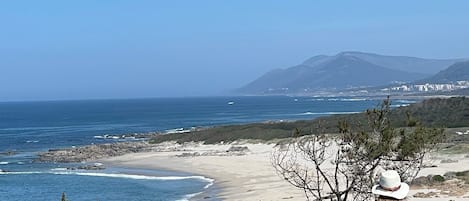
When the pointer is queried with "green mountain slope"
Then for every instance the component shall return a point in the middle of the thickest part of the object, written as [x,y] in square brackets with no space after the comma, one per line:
[456,72]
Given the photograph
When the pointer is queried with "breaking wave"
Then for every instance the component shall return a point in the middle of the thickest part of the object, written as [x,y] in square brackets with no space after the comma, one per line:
[116,175]
[406,101]
[325,113]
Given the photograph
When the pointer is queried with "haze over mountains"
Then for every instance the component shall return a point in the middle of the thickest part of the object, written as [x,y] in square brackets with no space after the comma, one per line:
[456,72]
[346,70]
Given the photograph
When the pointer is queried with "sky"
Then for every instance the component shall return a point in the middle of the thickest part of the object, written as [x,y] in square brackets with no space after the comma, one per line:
[88,49]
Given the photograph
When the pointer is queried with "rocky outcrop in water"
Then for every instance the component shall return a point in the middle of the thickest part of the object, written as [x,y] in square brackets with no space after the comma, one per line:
[99,151]
[8,153]
[93,152]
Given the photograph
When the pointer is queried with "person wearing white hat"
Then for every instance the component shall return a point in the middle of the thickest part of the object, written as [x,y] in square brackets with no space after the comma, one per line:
[390,186]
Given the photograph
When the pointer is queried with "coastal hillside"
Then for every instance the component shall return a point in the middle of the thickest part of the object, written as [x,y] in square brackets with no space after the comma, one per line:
[436,112]
[446,113]
[453,80]
[456,72]
[342,71]
[406,63]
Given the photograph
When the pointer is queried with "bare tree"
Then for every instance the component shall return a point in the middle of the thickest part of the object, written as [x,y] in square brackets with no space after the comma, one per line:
[345,166]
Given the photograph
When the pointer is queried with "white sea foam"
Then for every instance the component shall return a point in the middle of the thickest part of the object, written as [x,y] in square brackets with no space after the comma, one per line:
[339,99]
[21,172]
[325,113]
[189,196]
[405,101]
[59,171]
[144,177]
[176,130]
[140,177]
[4,163]
[400,105]
[353,99]
[32,141]
[317,99]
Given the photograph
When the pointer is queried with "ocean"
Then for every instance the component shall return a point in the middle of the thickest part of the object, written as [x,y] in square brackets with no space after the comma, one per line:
[30,127]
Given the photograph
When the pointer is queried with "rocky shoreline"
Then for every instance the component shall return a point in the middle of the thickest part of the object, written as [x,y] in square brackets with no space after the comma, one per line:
[93,152]
[99,151]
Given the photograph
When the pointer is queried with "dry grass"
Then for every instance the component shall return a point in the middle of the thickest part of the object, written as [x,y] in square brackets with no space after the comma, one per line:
[453,187]
[453,148]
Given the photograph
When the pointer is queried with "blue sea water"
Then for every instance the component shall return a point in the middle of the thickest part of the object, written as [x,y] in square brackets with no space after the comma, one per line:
[29,127]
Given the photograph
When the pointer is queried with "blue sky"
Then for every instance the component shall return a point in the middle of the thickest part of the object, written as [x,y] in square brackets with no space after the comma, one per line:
[128,49]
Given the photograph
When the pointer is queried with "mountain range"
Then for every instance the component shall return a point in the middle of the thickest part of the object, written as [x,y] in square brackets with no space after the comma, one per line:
[456,72]
[346,70]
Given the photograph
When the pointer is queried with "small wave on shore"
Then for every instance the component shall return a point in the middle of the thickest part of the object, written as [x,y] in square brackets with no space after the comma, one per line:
[132,176]
[60,171]
[325,113]
[340,99]
[400,105]
[193,185]
[406,101]
[32,172]
[189,196]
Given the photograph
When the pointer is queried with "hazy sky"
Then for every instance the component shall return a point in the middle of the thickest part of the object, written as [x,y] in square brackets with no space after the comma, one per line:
[124,49]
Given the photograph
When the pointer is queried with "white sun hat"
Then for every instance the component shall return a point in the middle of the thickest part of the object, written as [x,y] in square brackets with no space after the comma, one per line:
[390,185]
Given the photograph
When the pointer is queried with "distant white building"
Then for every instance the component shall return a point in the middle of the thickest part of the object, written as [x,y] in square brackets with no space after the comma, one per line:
[427,87]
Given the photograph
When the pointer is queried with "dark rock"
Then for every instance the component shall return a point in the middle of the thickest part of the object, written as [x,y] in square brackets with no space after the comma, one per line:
[449,161]
[188,154]
[95,166]
[8,153]
[93,152]
[237,149]
[422,181]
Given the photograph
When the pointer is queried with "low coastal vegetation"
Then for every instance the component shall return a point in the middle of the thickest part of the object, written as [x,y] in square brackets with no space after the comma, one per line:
[437,112]
[344,166]
[449,184]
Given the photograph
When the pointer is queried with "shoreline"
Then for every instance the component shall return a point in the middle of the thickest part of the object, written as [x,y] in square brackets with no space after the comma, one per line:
[250,176]
[209,191]
[237,177]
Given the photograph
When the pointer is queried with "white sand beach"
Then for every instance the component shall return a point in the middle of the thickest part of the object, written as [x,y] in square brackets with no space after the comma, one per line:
[251,176]
[246,177]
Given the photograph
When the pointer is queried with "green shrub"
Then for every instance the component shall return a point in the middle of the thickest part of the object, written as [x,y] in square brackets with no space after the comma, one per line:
[461,174]
[438,178]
